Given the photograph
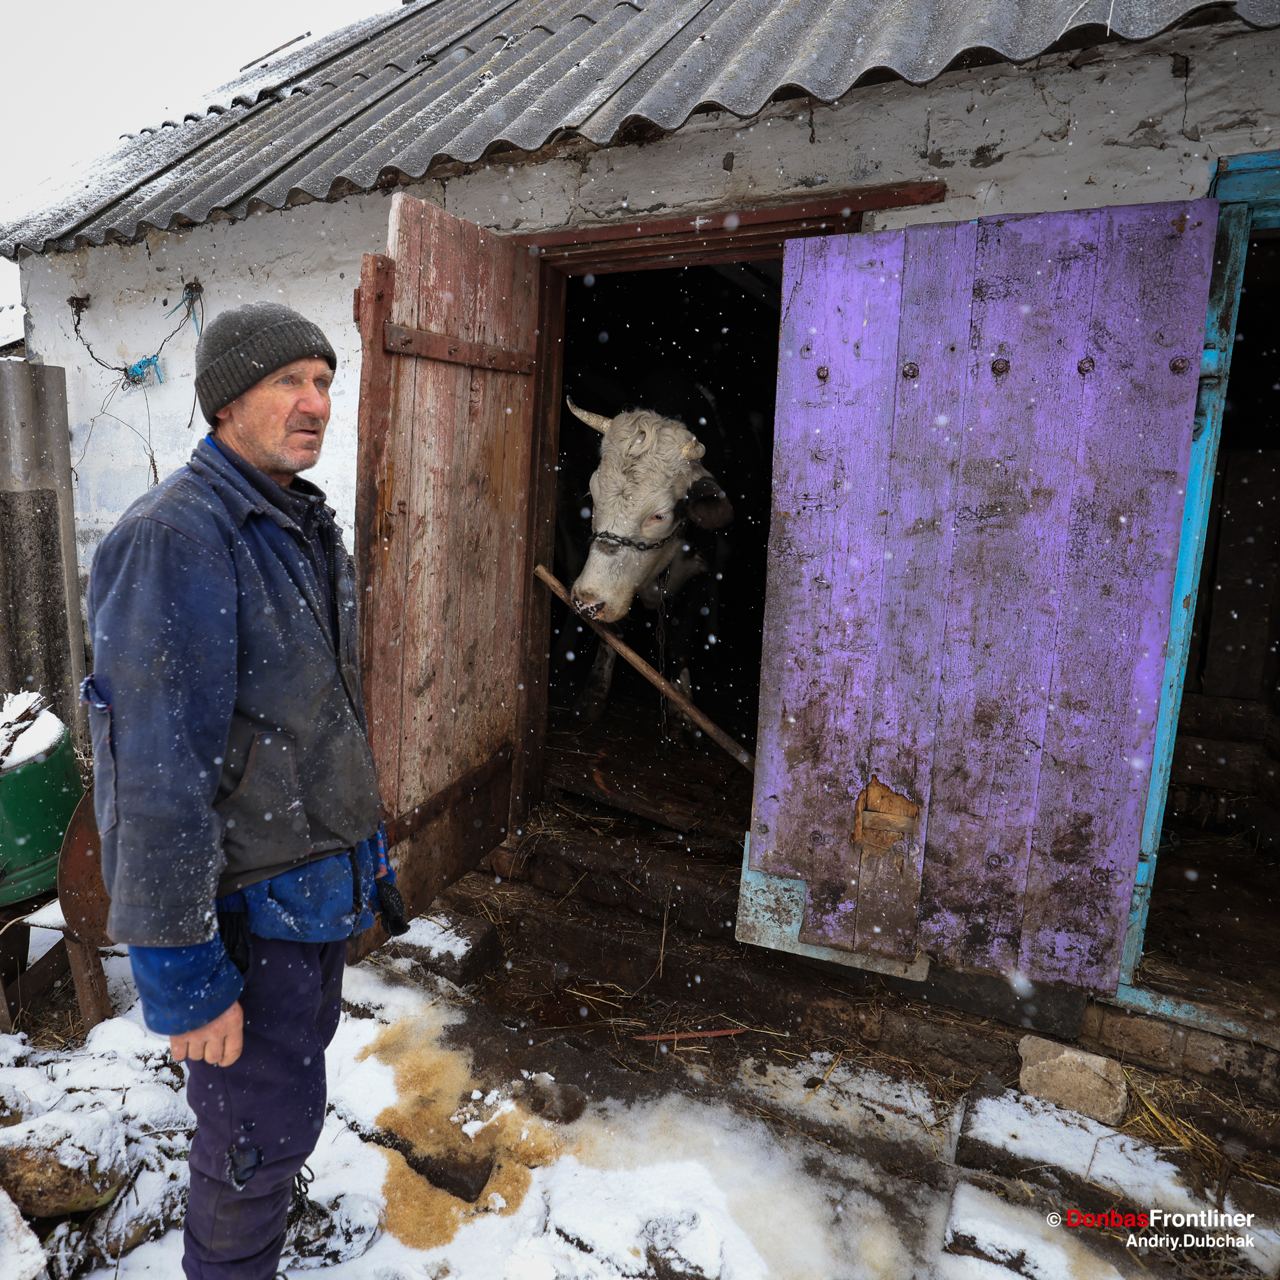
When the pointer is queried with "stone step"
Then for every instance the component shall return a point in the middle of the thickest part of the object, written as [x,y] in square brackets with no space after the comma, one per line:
[1090,1168]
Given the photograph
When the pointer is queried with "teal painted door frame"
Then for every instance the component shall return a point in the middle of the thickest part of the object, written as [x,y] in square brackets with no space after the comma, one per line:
[1249,189]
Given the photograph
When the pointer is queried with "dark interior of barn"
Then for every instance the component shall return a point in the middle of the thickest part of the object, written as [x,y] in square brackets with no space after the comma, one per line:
[637,786]
[1211,931]
[698,344]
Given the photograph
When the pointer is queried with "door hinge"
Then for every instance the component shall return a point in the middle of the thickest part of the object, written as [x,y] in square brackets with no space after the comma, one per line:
[1211,363]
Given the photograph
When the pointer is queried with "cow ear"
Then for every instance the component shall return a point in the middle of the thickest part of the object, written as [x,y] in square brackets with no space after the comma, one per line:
[641,441]
[707,504]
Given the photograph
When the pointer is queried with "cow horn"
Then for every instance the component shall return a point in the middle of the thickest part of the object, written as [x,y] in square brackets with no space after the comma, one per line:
[693,450]
[596,420]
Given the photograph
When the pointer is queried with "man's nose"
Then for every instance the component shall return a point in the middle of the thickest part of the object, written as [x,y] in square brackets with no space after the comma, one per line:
[314,401]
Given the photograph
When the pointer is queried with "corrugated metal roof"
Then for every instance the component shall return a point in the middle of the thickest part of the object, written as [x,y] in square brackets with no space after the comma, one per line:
[451,79]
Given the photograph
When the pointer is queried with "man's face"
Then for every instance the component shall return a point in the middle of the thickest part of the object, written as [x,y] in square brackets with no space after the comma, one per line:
[278,424]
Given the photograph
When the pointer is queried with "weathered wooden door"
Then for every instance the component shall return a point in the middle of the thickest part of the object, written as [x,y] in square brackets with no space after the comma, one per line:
[982,443]
[448,322]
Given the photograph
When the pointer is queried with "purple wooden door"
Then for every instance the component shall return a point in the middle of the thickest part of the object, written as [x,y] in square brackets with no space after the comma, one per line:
[983,434]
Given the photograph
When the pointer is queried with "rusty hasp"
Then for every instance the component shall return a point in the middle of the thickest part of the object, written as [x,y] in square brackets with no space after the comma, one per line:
[664,686]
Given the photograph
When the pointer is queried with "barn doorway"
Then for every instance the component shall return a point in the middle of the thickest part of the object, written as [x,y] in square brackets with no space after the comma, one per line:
[1217,884]
[698,344]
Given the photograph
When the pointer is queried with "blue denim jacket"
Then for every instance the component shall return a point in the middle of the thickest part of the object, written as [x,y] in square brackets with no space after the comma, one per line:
[225,706]
[184,987]
[231,767]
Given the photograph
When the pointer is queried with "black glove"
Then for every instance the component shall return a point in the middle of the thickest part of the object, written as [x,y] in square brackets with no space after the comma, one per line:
[391,908]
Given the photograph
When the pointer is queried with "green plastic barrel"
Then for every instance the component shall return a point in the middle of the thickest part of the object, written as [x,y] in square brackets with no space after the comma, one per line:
[37,799]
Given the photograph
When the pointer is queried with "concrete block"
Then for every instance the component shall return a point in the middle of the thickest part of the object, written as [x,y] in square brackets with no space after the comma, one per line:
[1134,1038]
[1069,1077]
[450,945]
[1251,1067]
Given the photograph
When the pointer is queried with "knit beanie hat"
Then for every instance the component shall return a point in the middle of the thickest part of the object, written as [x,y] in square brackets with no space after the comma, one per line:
[239,348]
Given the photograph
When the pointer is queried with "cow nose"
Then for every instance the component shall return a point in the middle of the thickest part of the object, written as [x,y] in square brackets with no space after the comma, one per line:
[587,603]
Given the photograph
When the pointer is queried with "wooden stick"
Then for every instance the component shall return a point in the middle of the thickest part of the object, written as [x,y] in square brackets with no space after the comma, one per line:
[664,686]
[694,1035]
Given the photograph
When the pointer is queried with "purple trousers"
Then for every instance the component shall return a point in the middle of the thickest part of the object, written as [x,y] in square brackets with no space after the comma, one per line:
[258,1121]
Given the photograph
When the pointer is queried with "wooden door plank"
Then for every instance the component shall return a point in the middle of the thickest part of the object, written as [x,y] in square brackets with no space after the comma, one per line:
[1138,406]
[930,375]
[432,751]
[1032,284]
[469,433]
[381,551]
[826,559]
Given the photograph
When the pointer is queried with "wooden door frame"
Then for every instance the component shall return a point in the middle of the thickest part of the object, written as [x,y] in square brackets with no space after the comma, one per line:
[726,234]
[1249,188]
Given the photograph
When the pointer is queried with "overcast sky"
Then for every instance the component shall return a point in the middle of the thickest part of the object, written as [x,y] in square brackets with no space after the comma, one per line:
[76,75]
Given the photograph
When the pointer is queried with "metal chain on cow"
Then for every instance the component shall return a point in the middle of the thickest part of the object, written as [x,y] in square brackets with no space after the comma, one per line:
[617,540]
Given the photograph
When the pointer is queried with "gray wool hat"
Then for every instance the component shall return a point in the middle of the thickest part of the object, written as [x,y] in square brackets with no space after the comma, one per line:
[238,348]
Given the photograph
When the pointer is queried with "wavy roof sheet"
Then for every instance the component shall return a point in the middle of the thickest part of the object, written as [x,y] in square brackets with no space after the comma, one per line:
[437,80]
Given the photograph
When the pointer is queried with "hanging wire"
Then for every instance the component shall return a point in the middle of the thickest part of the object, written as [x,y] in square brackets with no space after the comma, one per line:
[135,374]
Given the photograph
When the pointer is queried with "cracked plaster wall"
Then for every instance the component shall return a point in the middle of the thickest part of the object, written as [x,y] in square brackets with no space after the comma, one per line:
[1116,125]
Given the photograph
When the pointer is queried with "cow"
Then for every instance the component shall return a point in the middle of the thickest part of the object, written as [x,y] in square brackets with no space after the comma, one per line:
[650,493]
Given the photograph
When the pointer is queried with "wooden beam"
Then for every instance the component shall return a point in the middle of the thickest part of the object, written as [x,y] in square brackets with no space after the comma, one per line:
[724,224]
[659,682]
[439,346]
[412,821]
[90,982]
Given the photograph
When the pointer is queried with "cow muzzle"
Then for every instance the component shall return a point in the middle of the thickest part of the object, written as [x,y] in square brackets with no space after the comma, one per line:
[594,607]
[587,603]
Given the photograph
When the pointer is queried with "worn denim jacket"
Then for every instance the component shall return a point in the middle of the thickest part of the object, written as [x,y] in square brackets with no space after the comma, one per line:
[226,714]
[182,988]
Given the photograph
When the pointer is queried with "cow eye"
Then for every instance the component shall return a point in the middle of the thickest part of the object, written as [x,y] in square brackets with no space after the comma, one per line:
[659,515]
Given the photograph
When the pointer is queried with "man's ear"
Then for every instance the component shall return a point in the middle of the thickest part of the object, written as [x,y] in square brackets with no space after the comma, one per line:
[707,504]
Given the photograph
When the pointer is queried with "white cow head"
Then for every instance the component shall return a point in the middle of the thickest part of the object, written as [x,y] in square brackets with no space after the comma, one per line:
[649,483]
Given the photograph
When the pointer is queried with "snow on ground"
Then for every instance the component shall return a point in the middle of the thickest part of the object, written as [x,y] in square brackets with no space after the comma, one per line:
[20,1249]
[693,1184]
[1038,1132]
[984,1223]
[689,1184]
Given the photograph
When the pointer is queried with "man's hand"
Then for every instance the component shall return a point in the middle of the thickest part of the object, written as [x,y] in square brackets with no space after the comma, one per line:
[219,1043]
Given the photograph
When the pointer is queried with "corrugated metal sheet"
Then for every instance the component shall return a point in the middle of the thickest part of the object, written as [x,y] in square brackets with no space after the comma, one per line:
[451,79]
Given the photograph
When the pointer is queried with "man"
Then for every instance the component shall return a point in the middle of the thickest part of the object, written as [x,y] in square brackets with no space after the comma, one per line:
[234,787]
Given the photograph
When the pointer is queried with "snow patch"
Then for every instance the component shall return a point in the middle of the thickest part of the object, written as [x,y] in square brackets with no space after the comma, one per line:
[433,935]
[19,1246]
[28,730]
[48,917]
[1040,1133]
[1009,1234]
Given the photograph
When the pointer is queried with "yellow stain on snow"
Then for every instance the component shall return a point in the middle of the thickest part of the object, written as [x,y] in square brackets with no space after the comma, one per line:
[433,1084]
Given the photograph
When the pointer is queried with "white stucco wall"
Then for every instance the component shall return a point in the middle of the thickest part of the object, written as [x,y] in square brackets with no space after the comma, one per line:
[1137,124]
